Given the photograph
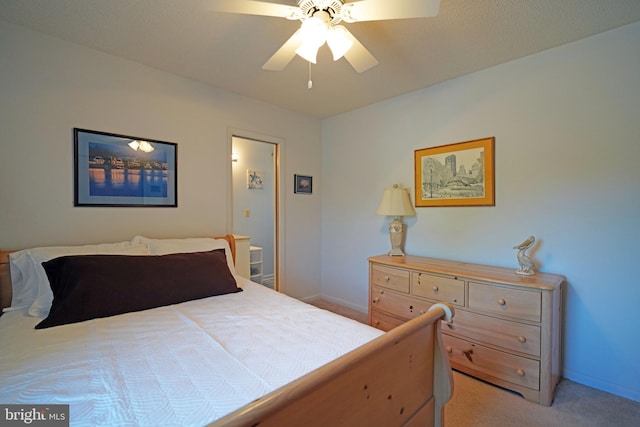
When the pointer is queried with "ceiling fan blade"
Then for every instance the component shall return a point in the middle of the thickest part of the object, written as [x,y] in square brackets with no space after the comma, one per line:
[250,7]
[358,56]
[285,54]
[378,10]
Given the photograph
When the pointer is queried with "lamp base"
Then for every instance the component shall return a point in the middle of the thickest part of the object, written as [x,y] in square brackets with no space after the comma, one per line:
[396,235]
[396,252]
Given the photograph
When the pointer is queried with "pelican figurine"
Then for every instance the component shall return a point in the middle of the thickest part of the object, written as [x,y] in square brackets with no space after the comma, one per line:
[526,264]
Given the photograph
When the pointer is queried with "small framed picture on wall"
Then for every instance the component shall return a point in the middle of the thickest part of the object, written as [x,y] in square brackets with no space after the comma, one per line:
[303,184]
[255,179]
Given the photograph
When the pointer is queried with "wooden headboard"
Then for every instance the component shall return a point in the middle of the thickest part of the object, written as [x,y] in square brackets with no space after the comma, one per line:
[5,276]
[5,280]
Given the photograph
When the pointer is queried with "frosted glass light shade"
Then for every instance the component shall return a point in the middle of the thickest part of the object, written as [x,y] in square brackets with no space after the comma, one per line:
[314,34]
[339,41]
[308,51]
[314,30]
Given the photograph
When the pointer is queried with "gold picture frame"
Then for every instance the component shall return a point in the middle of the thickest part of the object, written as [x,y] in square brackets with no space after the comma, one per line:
[460,174]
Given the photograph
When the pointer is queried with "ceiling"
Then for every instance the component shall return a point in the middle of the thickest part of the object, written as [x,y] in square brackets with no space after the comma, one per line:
[227,51]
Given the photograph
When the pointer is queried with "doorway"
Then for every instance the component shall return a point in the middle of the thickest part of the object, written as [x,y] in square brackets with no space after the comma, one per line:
[254,194]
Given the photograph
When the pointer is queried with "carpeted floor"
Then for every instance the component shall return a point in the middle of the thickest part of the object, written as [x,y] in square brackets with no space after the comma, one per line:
[479,404]
[343,311]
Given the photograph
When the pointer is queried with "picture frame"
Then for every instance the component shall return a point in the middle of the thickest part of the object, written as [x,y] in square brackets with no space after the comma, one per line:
[303,184]
[124,171]
[255,179]
[460,174]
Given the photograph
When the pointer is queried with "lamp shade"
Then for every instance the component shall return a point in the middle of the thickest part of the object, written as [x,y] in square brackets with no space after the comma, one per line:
[339,41]
[313,32]
[396,202]
[308,51]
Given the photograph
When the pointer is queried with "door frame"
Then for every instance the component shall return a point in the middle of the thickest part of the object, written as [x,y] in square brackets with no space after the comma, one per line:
[278,262]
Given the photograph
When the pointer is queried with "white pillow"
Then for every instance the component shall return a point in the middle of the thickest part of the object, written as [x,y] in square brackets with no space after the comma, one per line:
[30,285]
[22,295]
[187,245]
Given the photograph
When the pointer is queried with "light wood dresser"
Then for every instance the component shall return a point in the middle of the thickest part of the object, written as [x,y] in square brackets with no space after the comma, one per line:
[506,329]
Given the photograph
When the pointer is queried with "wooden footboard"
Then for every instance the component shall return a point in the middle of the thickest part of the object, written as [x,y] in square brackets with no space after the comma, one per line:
[402,378]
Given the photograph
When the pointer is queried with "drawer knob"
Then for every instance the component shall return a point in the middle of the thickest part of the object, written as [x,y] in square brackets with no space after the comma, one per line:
[436,289]
[522,339]
[449,349]
[501,301]
[376,299]
[387,278]
[520,372]
[449,323]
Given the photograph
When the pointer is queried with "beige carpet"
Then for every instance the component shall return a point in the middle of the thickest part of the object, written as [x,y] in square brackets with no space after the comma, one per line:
[479,404]
[341,310]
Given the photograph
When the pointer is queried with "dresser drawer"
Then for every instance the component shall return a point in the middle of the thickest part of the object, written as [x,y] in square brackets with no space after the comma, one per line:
[504,301]
[397,304]
[383,321]
[507,367]
[392,278]
[506,334]
[438,288]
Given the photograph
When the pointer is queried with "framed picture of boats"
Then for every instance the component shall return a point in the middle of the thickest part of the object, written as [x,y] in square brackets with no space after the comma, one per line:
[120,170]
[460,174]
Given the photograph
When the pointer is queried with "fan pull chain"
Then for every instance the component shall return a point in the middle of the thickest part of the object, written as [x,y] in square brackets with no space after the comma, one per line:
[309,83]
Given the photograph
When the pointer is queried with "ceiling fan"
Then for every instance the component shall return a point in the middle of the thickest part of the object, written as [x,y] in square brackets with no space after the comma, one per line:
[320,19]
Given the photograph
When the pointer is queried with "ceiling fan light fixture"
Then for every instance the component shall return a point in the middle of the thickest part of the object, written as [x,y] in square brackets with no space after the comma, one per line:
[339,41]
[313,33]
[314,30]
[308,51]
[320,17]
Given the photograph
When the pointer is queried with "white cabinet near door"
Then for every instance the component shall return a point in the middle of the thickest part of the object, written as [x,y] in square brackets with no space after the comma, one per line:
[255,264]
[242,263]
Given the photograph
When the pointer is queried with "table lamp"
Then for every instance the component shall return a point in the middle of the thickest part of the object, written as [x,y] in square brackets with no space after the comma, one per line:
[396,203]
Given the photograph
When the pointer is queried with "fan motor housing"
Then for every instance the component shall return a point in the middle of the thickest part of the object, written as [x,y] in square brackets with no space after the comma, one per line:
[332,7]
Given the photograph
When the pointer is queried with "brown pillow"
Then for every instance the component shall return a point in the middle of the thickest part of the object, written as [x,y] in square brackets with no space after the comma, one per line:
[91,286]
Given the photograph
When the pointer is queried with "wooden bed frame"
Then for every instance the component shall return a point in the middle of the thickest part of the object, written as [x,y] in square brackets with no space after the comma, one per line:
[401,378]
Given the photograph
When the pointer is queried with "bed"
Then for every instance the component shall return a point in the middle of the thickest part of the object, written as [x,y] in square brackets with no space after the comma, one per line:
[244,356]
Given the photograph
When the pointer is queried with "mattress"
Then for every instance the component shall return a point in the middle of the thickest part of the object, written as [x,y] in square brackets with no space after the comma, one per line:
[180,365]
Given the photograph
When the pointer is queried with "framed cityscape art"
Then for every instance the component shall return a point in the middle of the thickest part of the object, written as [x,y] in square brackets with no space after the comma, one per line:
[460,174]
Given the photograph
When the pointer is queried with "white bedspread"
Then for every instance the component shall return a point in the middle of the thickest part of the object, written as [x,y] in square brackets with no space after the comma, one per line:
[181,365]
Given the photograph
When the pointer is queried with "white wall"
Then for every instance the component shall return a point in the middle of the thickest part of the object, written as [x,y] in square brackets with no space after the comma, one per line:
[567,127]
[48,87]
